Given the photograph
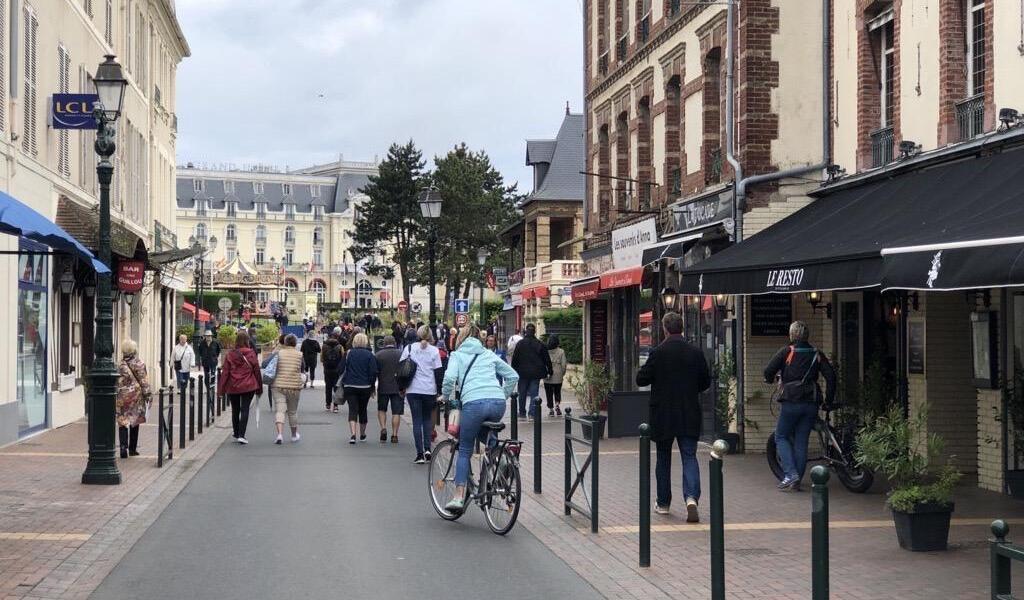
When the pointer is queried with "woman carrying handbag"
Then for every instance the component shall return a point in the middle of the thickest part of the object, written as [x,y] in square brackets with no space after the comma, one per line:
[240,379]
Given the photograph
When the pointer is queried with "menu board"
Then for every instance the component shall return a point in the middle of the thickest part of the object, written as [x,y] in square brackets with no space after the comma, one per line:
[598,330]
[771,314]
[915,347]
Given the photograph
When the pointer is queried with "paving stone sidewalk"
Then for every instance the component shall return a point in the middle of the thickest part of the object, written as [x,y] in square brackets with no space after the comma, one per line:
[767,537]
[59,538]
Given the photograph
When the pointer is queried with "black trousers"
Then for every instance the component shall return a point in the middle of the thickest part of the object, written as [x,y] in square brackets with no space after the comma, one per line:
[330,381]
[553,391]
[311,369]
[129,438]
[357,399]
[240,412]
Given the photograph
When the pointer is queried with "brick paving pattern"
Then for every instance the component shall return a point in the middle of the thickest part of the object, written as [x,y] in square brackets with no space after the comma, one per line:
[59,538]
[767,537]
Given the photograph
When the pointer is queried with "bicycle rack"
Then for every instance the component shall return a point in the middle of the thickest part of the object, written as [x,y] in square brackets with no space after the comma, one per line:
[575,472]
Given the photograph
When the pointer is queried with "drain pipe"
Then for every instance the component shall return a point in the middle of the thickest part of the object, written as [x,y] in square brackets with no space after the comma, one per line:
[742,183]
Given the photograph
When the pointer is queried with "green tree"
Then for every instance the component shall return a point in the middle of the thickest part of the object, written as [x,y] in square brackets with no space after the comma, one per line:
[390,220]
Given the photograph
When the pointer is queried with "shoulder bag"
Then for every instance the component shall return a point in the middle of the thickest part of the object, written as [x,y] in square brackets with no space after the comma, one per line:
[800,391]
[406,370]
[453,416]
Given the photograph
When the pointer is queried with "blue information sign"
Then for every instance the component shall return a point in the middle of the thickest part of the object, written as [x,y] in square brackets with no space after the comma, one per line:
[73,111]
[461,305]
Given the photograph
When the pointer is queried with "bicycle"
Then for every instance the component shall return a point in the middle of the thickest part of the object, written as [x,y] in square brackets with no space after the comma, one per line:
[498,491]
[838,446]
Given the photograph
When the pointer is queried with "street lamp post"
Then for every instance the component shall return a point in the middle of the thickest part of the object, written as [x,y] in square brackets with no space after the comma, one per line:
[101,468]
[430,207]
[481,257]
[199,255]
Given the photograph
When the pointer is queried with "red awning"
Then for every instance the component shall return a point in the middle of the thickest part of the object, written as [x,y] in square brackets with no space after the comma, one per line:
[622,278]
[528,294]
[191,309]
[586,291]
[542,292]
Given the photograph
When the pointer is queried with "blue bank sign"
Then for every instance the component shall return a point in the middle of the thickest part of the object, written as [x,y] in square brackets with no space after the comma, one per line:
[73,111]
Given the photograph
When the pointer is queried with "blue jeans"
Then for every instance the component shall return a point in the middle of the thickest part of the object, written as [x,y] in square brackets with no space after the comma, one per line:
[470,419]
[794,427]
[691,469]
[528,389]
[422,407]
[183,378]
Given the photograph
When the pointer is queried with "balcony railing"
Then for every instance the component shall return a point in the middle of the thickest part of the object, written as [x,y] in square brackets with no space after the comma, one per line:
[602,63]
[289,243]
[882,141]
[675,7]
[643,29]
[261,242]
[970,117]
[621,47]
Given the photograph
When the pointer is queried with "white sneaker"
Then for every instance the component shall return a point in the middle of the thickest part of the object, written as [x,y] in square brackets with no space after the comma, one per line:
[278,439]
[296,438]
[691,511]
[661,510]
[243,441]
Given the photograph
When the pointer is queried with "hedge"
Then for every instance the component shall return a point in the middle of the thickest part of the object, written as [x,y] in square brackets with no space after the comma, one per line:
[211,300]
[567,323]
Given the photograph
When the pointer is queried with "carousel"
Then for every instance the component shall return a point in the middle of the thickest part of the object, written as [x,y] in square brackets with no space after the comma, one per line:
[260,289]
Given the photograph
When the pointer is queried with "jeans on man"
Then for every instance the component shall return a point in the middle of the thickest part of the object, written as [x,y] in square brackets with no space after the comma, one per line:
[470,419]
[691,469]
[422,407]
[183,377]
[796,419]
[528,389]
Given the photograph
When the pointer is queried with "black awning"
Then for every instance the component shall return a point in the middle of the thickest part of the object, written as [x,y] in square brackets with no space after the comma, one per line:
[836,242]
[669,248]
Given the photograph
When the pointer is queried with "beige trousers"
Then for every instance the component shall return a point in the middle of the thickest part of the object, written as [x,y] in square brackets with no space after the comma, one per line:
[286,402]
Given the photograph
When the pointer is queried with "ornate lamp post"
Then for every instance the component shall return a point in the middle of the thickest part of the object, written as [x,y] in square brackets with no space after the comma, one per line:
[481,258]
[430,207]
[200,252]
[101,468]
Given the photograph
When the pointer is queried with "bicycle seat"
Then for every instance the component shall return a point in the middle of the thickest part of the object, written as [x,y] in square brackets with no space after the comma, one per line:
[493,426]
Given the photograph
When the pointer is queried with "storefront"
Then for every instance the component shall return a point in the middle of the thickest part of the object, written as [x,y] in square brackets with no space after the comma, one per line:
[33,301]
[912,280]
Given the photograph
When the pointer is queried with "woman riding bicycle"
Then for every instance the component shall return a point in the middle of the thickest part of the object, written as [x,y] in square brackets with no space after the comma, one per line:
[474,371]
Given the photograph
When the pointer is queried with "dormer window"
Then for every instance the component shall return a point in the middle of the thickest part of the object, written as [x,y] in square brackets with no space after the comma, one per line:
[261,210]
[198,185]
[232,207]
[289,210]
[200,207]
[314,190]
[286,189]
[257,187]
[318,212]
[229,187]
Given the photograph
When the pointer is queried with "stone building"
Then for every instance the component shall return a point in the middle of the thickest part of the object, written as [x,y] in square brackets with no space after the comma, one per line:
[49,47]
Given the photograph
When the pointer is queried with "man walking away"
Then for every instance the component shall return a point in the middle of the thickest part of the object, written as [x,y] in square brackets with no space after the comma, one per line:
[333,358]
[510,345]
[387,389]
[209,354]
[800,365]
[310,350]
[184,360]
[677,373]
[532,362]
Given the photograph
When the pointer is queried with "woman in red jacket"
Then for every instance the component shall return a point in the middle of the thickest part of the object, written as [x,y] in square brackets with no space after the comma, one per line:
[240,379]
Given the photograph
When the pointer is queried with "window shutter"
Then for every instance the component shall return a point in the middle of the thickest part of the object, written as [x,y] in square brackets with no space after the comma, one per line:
[29,142]
[63,135]
[108,23]
[87,5]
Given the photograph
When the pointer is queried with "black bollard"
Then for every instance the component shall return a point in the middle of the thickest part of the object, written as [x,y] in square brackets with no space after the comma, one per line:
[170,422]
[718,450]
[568,467]
[819,532]
[536,445]
[199,408]
[645,495]
[181,413]
[1000,581]
[515,416]
[160,429]
[191,409]
[595,449]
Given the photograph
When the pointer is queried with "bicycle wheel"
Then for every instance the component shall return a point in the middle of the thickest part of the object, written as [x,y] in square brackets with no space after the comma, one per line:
[772,454]
[502,506]
[441,478]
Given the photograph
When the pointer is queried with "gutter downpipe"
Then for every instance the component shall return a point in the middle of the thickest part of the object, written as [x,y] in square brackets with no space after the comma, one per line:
[742,183]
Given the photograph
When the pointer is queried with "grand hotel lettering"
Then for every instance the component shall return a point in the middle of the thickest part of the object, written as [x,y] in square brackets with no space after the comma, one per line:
[785,278]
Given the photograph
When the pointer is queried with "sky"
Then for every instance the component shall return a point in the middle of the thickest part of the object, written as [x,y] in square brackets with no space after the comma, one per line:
[297,82]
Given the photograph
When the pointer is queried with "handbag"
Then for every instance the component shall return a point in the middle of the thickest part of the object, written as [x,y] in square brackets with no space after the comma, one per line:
[406,371]
[454,415]
[269,370]
[799,391]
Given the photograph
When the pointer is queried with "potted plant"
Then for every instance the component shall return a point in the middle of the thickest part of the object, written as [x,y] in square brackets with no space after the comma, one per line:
[226,336]
[591,386]
[725,408]
[922,495]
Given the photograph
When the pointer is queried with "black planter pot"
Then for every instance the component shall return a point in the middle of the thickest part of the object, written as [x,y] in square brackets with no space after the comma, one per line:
[924,530]
[1015,482]
[733,439]
[598,423]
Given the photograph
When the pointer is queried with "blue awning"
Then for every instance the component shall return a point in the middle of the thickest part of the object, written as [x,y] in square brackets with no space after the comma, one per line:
[16,218]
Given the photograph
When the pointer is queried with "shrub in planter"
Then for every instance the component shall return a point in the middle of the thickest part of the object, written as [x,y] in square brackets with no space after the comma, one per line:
[226,336]
[592,385]
[922,496]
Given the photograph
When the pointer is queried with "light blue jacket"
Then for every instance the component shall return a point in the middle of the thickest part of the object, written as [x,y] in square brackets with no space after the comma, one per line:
[481,383]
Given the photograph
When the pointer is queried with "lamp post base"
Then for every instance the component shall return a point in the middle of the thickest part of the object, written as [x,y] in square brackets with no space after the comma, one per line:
[101,472]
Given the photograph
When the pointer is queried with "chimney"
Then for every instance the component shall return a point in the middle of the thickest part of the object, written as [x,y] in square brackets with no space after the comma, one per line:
[566,108]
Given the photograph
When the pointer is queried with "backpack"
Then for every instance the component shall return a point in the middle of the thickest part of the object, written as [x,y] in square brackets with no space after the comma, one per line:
[332,357]
[803,390]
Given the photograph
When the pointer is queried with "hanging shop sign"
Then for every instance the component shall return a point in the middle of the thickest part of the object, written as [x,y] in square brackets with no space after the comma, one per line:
[702,212]
[130,275]
[628,243]
[73,111]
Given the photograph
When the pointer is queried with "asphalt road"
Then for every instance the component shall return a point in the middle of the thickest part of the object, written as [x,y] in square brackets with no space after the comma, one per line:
[324,519]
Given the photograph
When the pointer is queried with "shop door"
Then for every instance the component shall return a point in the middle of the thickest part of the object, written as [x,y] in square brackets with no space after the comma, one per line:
[850,344]
[31,392]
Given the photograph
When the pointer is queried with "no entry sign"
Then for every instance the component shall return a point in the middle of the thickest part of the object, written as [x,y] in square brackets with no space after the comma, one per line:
[461,319]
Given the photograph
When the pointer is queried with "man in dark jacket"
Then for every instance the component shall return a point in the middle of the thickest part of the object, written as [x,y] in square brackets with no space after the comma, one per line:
[800,365]
[209,354]
[388,393]
[677,373]
[310,350]
[533,363]
[333,359]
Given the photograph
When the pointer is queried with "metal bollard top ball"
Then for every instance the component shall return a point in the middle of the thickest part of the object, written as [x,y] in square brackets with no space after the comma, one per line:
[1000,529]
[645,429]
[720,448]
[820,475]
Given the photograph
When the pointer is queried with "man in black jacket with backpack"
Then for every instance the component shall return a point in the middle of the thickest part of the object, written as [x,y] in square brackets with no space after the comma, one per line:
[532,362]
[800,365]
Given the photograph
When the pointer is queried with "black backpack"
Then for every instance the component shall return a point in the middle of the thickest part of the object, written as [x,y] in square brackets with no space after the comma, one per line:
[332,357]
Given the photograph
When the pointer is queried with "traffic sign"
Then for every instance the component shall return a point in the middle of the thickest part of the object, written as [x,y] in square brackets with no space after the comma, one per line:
[403,306]
[224,304]
[461,305]
[461,319]
[417,308]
